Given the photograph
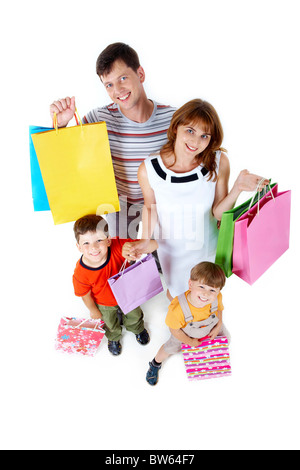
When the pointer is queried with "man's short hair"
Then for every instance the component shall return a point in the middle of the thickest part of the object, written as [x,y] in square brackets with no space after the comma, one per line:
[113,52]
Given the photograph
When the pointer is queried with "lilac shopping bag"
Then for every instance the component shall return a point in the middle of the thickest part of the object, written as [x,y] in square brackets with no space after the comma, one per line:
[261,235]
[136,284]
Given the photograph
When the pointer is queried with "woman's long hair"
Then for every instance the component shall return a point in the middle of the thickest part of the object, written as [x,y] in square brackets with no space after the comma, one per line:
[200,112]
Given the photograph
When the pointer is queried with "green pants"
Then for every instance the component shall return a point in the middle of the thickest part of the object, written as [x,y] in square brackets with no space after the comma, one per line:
[133,321]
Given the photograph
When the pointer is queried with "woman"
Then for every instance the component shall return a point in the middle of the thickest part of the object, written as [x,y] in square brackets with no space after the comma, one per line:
[185,190]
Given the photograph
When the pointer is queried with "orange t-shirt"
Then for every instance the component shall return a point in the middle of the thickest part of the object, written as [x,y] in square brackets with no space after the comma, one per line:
[86,279]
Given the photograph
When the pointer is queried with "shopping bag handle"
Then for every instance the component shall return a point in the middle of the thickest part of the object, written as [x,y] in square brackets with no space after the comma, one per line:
[257,192]
[122,269]
[88,319]
[77,119]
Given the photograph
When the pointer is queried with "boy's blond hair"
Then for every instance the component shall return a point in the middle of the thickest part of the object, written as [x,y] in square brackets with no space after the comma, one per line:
[209,273]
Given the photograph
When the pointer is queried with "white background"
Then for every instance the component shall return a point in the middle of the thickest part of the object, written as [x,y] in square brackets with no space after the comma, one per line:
[243,57]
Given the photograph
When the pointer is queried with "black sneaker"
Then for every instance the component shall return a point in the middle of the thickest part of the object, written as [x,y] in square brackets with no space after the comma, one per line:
[143,338]
[114,347]
[152,374]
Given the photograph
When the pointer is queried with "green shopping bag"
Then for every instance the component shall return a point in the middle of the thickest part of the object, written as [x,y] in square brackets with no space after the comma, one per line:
[226,232]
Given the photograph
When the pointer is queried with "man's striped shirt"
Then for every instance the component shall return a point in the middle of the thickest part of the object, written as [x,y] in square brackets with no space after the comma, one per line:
[131,142]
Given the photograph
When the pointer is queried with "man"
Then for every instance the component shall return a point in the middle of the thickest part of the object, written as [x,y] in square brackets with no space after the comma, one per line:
[136,125]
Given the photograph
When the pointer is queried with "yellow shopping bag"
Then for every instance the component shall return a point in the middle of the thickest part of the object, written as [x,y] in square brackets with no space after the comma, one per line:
[77,171]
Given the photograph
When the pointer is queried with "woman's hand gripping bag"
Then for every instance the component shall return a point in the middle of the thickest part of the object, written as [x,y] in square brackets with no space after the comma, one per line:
[226,233]
[261,235]
[136,284]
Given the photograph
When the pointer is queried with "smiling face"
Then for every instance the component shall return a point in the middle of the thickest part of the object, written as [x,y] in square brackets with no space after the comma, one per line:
[94,247]
[124,85]
[191,140]
[201,294]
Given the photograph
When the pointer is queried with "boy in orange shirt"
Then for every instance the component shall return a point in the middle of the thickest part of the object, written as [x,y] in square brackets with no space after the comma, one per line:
[205,284]
[103,257]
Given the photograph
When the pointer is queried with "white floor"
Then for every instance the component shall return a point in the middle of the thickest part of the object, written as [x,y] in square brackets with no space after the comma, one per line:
[50,400]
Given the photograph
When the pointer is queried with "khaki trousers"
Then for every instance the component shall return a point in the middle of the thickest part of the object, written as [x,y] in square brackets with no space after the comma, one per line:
[133,321]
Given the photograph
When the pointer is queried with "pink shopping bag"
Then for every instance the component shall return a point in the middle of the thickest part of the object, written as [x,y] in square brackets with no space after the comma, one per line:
[136,284]
[79,336]
[261,235]
[209,360]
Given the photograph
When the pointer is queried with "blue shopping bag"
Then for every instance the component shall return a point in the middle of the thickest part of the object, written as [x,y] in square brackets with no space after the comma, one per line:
[39,195]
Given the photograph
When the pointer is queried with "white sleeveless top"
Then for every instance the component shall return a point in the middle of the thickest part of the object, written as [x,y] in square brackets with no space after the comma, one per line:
[186,231]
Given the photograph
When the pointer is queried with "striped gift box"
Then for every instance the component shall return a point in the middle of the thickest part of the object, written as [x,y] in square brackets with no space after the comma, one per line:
[208,361]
